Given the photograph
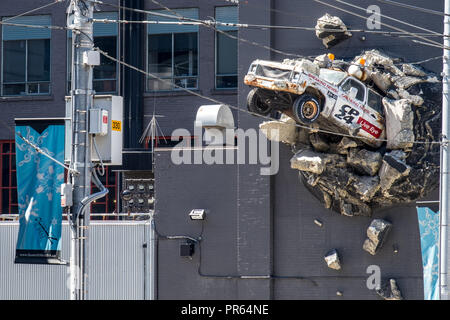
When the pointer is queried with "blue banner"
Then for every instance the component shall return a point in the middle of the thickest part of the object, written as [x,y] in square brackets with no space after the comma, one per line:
[429,243]
[39,181]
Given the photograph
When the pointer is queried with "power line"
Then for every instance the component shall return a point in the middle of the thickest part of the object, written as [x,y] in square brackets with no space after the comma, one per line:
[382,23]
[32,26]
[244,110]
[404,5]
[33,10]
[256,26]
[390,18]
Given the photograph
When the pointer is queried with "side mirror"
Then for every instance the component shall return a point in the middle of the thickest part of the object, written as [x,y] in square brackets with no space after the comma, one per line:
[353,92]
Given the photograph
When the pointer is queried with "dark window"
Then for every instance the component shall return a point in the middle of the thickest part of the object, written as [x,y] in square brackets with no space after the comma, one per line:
[105,74]
[108,203]
[26,67]
[8,182]
[174,59]
[226,68]
[375,101]
[350,83]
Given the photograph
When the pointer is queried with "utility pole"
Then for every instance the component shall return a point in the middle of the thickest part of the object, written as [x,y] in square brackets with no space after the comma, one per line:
[82,97]
[444,209]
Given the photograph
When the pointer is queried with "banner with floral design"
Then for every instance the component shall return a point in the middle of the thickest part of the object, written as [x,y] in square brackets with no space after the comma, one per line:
[429,243]
[39,181]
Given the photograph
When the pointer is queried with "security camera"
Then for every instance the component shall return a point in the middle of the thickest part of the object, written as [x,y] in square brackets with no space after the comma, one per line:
[197,214]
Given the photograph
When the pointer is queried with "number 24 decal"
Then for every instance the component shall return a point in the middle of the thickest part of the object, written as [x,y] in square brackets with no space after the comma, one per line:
[347,114]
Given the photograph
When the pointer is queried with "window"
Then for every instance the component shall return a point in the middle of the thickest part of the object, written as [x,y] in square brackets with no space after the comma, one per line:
[226,49]
[108,203]
[360,92]
[105,37]
[8,182]
[172,53]
[375,101]
[26,57]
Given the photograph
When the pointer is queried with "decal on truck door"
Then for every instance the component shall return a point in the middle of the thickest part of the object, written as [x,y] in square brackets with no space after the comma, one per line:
[347,114]
[370,128]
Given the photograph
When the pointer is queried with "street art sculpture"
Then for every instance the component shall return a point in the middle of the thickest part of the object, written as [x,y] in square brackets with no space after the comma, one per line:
[364,133]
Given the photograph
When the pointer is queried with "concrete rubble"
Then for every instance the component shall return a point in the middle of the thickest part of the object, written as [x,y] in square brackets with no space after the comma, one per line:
[399,123]
[376,235]
[332,260]
[353,179]
[284,130]
[389,290]
[331,30]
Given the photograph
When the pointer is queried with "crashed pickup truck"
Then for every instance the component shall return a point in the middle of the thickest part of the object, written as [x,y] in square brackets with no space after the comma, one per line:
[308,93]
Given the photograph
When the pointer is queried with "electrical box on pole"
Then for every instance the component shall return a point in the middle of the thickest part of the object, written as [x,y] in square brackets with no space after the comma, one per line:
[105,122]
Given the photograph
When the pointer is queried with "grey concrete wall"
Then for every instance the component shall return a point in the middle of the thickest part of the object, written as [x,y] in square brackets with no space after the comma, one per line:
[178,190]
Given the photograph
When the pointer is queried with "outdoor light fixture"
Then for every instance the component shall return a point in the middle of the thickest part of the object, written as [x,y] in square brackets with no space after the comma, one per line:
[197,214]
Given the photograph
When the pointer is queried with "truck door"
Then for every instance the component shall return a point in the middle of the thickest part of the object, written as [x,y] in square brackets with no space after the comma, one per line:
[346,111]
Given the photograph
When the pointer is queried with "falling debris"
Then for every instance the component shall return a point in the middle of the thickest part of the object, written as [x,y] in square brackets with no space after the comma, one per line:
[376,235]
[389,290]
[331,30]
[332,260]
[318,222]
[283,130]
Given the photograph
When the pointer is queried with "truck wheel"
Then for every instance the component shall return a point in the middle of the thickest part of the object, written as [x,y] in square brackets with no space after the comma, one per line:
[306,108]
[255,103]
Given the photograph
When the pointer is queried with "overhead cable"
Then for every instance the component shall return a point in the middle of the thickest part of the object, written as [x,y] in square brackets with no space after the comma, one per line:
[244,110]
[382,23]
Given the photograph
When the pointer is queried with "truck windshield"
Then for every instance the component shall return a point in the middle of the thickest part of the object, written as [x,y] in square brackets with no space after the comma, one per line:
[274,73]
[332,76]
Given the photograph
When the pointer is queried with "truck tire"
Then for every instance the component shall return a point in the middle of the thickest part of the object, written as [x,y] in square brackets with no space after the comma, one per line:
[306,108]
[255,103]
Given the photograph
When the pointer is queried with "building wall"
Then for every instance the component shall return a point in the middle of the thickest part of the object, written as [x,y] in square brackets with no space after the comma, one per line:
[257,225]
[270,220]
[177,107]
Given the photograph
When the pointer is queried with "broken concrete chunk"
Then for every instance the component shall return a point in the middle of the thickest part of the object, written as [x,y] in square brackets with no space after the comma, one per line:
[389,290]
[393,169]
[415,99]
[376,235]
[345,144]
[308,66]
[406,82]
[331,30]
[332,260]
[364,161]
[375,59]
[399,123]
[381,80]
[310,161]
[318,142]
[283,130]
[411,70]
[367,187]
